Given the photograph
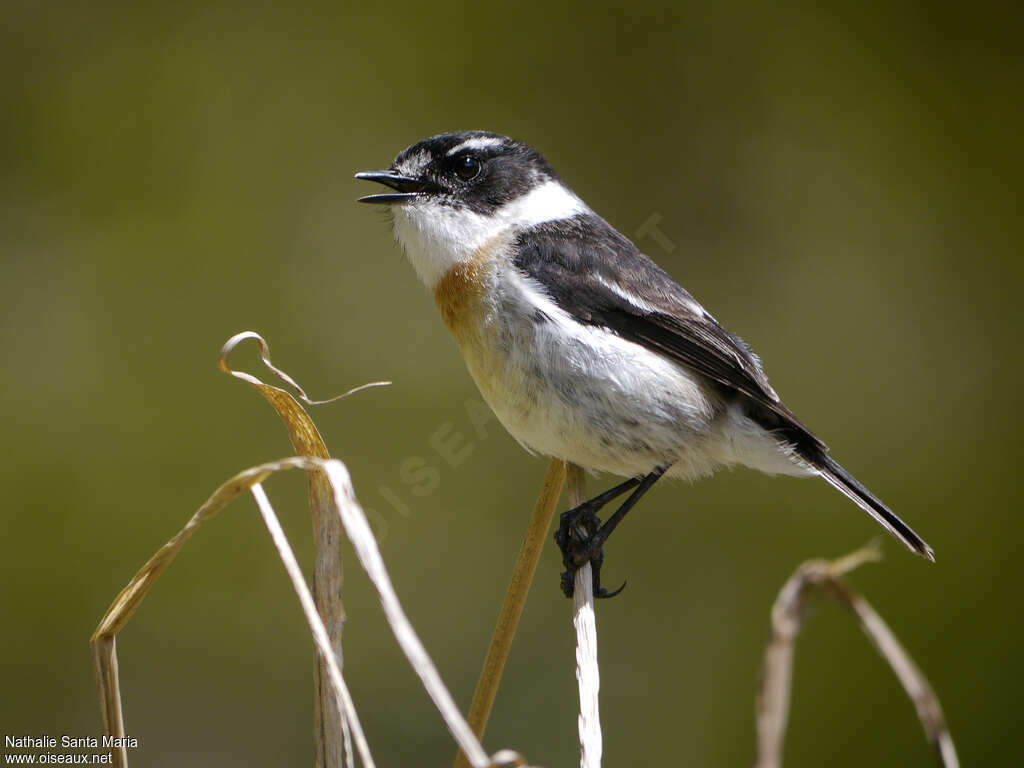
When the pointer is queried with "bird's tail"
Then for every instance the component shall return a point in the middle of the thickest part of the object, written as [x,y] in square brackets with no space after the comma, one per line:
[850,487]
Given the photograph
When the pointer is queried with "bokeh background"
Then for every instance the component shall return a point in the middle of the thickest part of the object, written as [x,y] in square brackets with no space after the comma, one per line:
[840,186]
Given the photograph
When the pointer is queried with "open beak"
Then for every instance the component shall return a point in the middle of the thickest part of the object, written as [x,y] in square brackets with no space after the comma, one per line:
[407,188]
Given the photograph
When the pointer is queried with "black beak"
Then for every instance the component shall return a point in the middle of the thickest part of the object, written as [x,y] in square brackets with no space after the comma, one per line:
[407,187]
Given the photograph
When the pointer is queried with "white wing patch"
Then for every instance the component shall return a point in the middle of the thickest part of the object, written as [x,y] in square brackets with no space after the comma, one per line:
[631,298]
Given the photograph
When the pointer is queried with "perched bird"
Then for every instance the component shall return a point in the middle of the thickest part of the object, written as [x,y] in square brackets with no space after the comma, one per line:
[585,349]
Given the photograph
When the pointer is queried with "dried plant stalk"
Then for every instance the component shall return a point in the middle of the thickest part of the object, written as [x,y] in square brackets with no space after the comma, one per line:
[358,530]
[335,510]
[103,641]
[321,639]
[788,613]
[588,674]
[515,599]
[332,747]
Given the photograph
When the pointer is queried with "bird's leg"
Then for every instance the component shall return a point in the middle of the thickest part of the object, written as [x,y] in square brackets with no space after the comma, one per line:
[581,535]
[581,522]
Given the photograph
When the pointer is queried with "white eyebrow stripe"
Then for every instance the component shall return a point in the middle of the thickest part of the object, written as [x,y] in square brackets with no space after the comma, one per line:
[477,142]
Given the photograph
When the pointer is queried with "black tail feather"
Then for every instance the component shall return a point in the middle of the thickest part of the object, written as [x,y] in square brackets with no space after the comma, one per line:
[850,487]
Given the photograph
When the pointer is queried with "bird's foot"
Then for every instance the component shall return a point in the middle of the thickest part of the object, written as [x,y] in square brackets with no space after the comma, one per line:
[581,541]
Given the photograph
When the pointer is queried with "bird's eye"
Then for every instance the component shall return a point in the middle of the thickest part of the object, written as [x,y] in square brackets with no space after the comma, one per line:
[467,167]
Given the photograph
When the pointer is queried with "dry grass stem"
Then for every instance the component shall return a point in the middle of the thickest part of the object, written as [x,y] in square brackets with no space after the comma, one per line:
[515,599]
[588,674]
[343,699]
[365,546]
[788,614]
[335,512]
[329,729]
[103,641]
[358,530]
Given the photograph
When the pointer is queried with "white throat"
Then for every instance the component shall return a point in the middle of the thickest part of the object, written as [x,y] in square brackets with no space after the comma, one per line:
[437,237]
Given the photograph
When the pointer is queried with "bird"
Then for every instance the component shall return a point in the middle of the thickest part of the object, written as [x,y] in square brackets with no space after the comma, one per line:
[584,348]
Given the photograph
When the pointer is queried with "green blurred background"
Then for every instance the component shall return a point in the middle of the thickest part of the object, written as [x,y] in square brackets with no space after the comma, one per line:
[841,187]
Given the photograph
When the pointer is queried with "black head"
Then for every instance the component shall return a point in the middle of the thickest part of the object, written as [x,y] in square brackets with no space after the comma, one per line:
[476,170]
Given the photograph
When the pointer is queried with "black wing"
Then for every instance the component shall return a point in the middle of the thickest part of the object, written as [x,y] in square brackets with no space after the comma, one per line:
[600,278]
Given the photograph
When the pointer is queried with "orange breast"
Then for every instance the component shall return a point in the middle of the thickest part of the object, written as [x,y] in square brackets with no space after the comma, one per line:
[461,295]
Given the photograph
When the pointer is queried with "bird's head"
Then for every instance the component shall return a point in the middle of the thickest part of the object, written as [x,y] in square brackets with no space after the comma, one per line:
[456,192]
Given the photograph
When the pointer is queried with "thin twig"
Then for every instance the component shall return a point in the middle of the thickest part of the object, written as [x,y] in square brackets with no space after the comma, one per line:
[515,599]
[788,614]
[588,673]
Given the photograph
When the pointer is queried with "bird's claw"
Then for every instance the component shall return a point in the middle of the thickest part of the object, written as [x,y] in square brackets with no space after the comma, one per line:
[579,538]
